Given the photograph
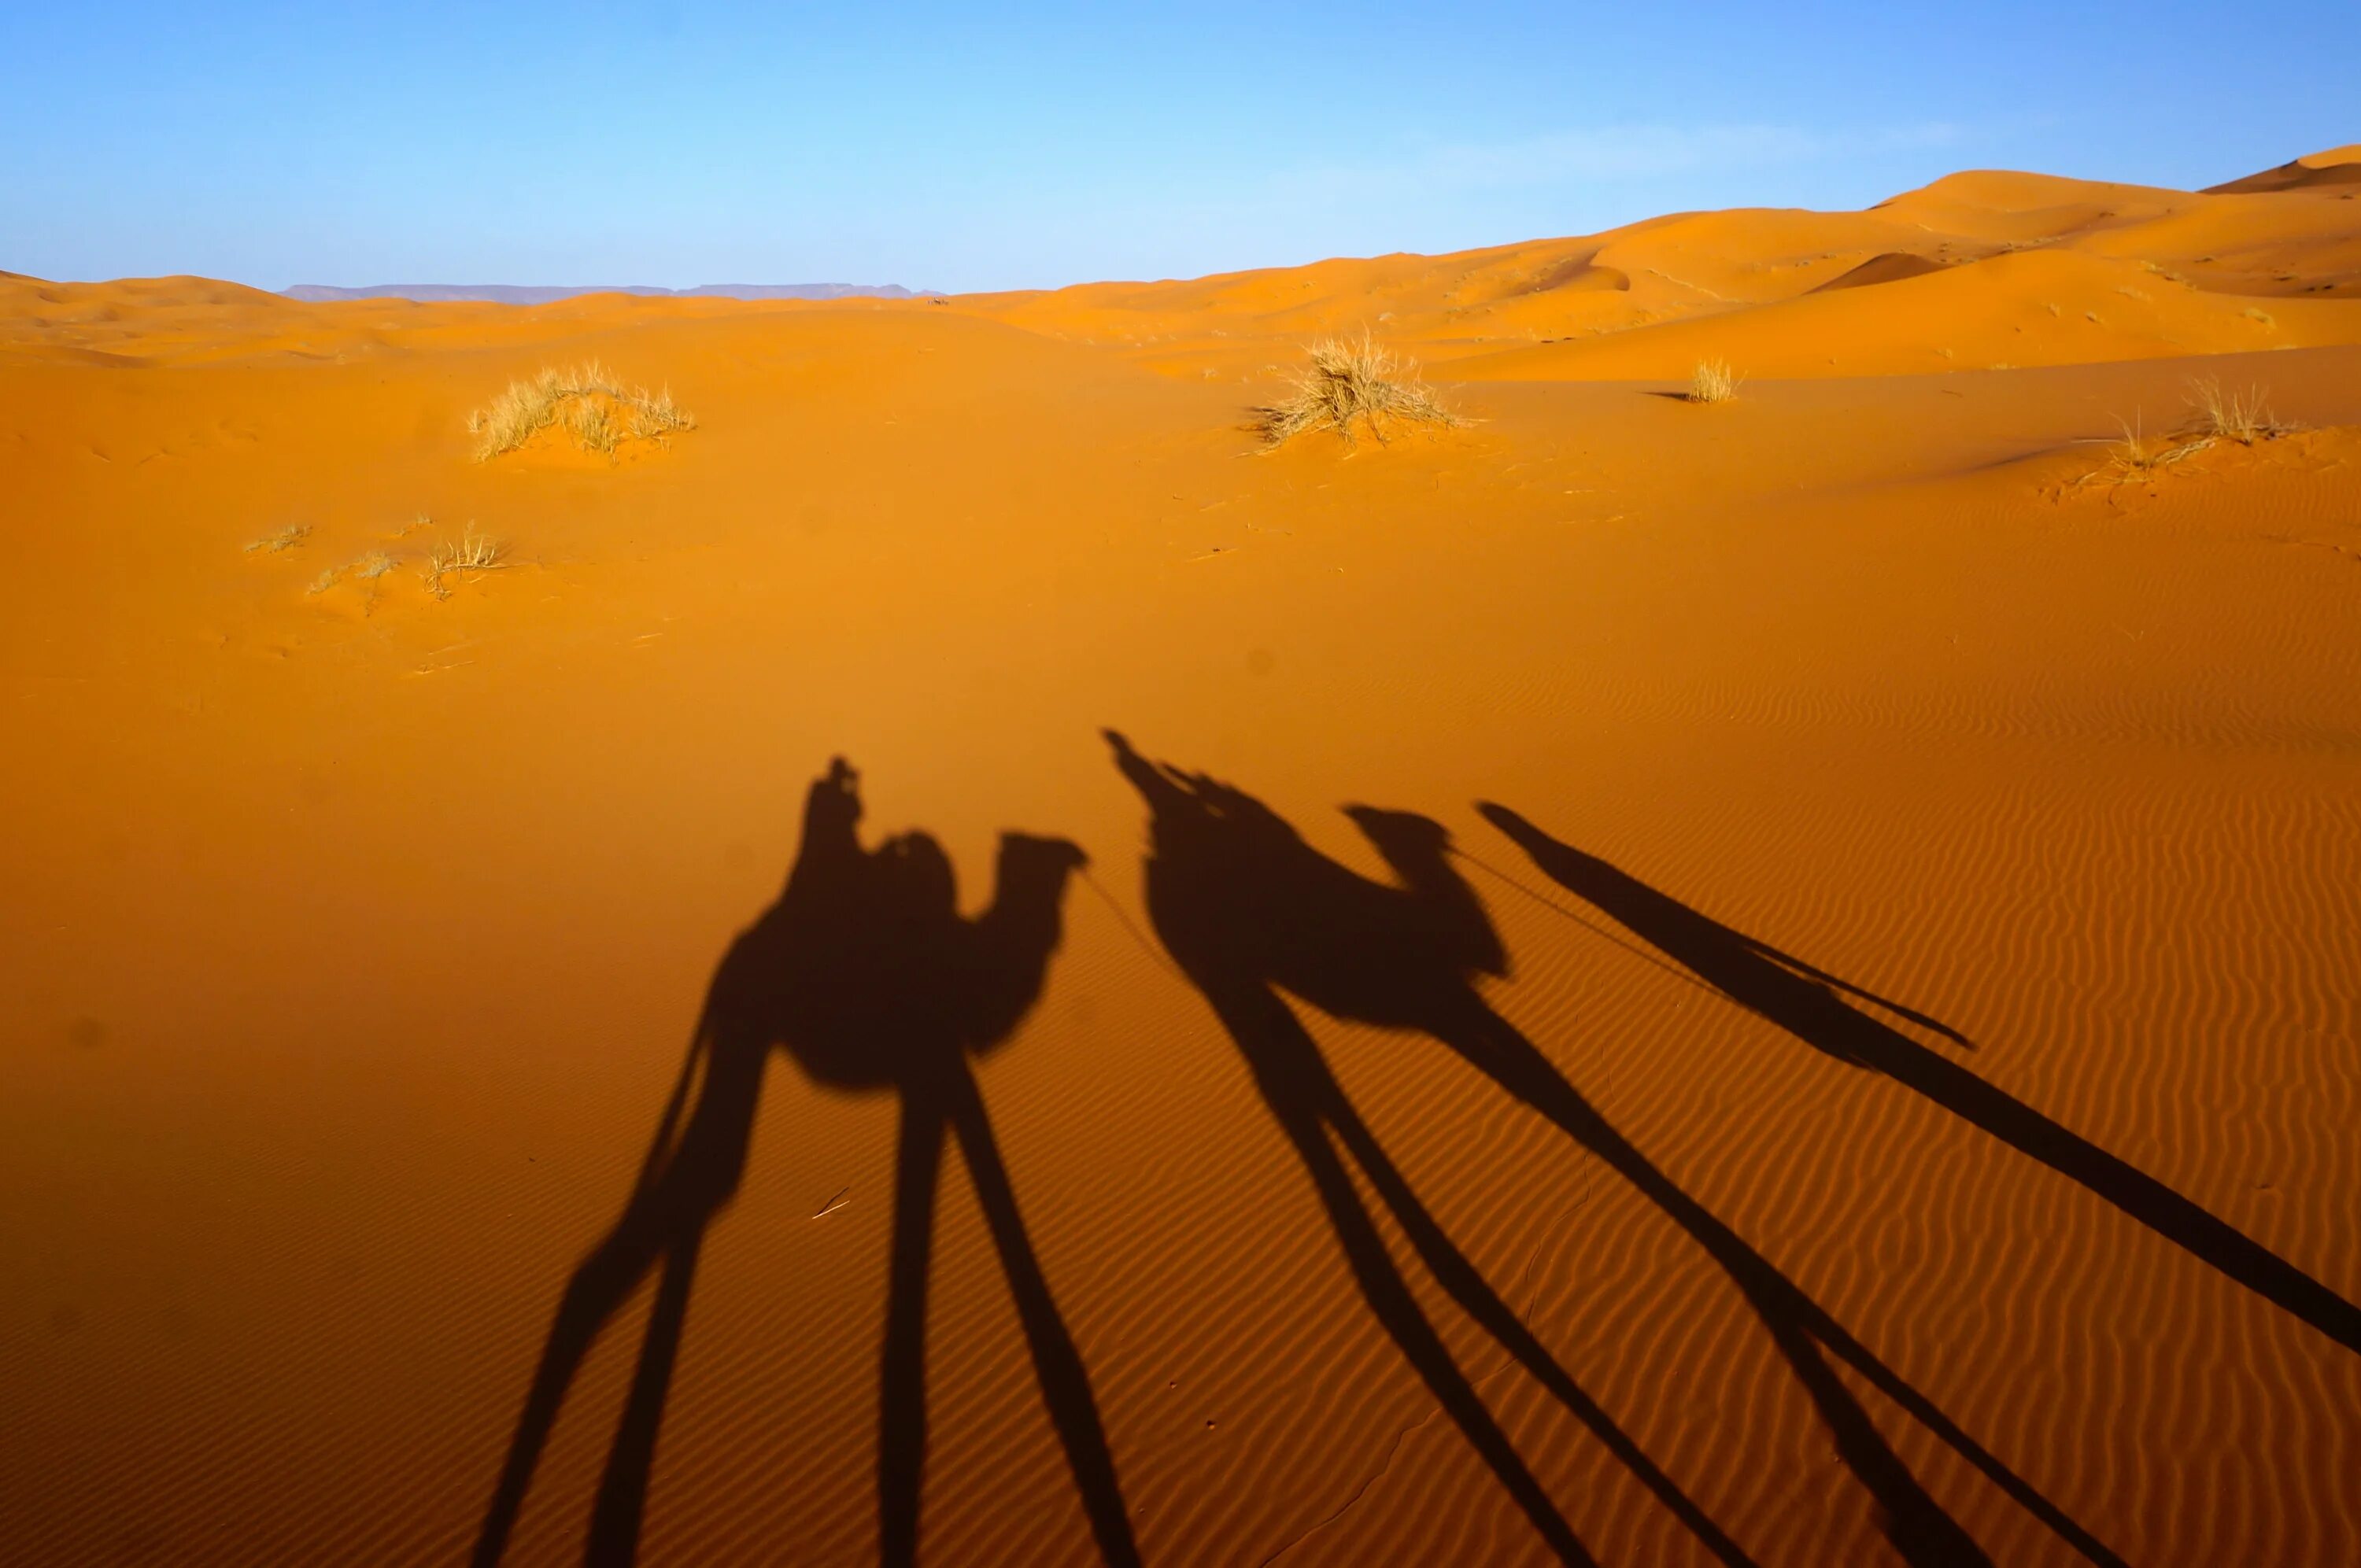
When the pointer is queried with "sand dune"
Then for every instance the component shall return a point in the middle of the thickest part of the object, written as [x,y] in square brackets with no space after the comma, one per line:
[1772,982]
[543,294]
[2338,166]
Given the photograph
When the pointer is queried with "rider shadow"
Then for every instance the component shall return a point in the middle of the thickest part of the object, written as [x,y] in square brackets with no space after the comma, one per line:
[1806,1003]
[865,973]
[1248,911]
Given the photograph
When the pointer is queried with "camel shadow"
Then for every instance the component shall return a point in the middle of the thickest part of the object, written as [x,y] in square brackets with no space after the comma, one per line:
[1249,911]
[1810,1004]
[865,973]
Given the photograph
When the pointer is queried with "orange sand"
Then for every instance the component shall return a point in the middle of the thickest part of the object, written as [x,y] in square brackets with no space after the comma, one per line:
[355,936]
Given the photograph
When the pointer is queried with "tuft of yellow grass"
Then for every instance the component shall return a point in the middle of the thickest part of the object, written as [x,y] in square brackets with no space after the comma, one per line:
[2135,457]
[1348,381]
[471,552]
[285,539]
[372,566]
[2222,414]
[654,416]
[597,410]
[1713,381]
[593,428]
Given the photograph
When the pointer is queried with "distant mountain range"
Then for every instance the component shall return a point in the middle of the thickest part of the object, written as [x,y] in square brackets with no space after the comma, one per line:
[541,294]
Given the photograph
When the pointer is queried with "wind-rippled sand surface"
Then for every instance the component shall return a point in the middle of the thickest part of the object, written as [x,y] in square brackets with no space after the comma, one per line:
[356,935]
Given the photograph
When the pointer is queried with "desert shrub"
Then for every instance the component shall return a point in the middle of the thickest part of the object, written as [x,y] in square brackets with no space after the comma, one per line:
[2221,413]
[1713,381]
[597,412]
[1348,383]
[2135,457]
[472,551]
[285,539]
[594,428]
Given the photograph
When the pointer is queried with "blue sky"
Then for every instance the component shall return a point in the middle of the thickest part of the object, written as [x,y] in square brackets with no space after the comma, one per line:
[949,147]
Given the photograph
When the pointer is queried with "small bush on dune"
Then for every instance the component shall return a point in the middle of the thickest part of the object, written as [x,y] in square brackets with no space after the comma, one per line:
[2217,413]
[594,428]
[2135,458]
[651,418]
[1713,381]
[472,551]
[284,540]
[2134,455]
[1347,382]
[597,412]
[2220,413]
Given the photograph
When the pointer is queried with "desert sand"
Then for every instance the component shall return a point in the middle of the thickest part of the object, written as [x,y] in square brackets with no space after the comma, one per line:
[1646,983]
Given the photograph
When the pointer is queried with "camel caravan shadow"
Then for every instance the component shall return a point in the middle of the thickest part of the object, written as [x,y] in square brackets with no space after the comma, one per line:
[864,973]
[1253,915]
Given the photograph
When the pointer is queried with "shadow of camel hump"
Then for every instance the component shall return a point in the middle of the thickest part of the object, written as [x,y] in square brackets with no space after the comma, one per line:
[866,974]
[1804,1002]
[1249,910]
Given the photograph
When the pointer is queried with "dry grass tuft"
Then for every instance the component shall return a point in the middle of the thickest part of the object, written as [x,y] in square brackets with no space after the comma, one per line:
[1348,381]
[1713,381]
[2135,458]
[595,410]
[372,566]
[651,418]
[326,580]
[592,427]
[285,539]
[472,551]
[2220,413]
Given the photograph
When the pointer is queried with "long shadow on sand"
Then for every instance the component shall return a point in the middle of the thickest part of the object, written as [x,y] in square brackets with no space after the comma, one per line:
[1248,910]
[865,973]
[1804,1002]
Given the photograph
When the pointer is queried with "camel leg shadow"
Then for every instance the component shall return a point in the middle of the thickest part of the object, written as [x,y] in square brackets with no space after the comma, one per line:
[1802,1001]
[1920,1528]
[616,1514]
[1467,1286]
[1303,1098]
[683,1186]
[937,1106]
